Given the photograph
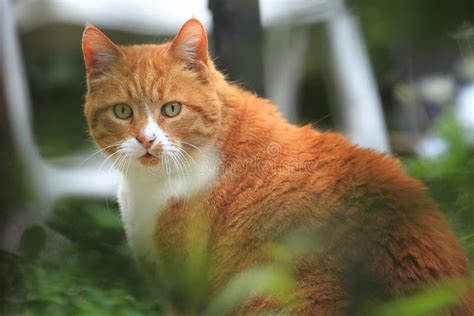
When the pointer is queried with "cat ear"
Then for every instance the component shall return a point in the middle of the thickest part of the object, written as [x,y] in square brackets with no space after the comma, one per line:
[190,45]
[99,51]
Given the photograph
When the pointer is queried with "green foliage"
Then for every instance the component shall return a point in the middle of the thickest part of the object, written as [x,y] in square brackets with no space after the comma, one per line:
[268,280]
[430,301]
[94,275]
[64,287]
[450,180]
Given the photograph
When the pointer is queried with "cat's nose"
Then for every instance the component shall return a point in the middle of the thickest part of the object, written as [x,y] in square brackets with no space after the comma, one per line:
[146,140]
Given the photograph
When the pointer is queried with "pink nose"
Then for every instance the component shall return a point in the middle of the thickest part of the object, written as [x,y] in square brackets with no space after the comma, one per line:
[146,141]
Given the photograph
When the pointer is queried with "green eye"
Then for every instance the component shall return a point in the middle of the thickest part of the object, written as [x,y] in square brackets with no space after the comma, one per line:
[171,109]
[123,111]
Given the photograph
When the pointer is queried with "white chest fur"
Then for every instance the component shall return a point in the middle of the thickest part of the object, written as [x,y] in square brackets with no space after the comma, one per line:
[143,194]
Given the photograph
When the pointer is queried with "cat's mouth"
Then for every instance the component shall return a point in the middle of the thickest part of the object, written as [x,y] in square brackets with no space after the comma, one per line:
[148,159]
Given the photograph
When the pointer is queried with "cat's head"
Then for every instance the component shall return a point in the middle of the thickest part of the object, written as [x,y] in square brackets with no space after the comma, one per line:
[151,103]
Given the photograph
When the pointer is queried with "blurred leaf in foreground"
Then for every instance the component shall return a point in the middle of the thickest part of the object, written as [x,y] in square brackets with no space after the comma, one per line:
[431,301]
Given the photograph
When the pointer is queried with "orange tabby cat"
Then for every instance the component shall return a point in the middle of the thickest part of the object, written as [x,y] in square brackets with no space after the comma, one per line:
[189,142]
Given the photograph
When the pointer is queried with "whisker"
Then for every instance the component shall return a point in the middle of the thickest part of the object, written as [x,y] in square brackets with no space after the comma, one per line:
[189,144]
[129,164]
[167,165]
[170,167]
[187,180]
[117,164]
[174,159]
[177,161]
[125,164]
[188,158]
[108,158]
[100,150]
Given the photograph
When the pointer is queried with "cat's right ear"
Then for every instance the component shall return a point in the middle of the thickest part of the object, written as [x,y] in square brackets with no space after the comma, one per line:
[99,51]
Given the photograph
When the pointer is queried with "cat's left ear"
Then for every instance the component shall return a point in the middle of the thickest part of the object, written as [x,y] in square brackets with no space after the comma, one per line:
[190,45]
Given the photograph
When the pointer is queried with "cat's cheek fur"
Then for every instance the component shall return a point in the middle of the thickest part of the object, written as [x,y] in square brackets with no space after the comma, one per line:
[143,195]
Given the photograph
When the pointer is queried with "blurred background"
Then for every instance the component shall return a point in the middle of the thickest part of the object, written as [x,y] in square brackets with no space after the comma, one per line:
[396,76]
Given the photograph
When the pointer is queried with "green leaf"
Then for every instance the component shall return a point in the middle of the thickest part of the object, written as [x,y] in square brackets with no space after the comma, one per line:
[105,218]
[429,302]
[270,280]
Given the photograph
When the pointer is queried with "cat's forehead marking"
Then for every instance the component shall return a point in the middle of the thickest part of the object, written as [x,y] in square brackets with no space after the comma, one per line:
[146,81]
